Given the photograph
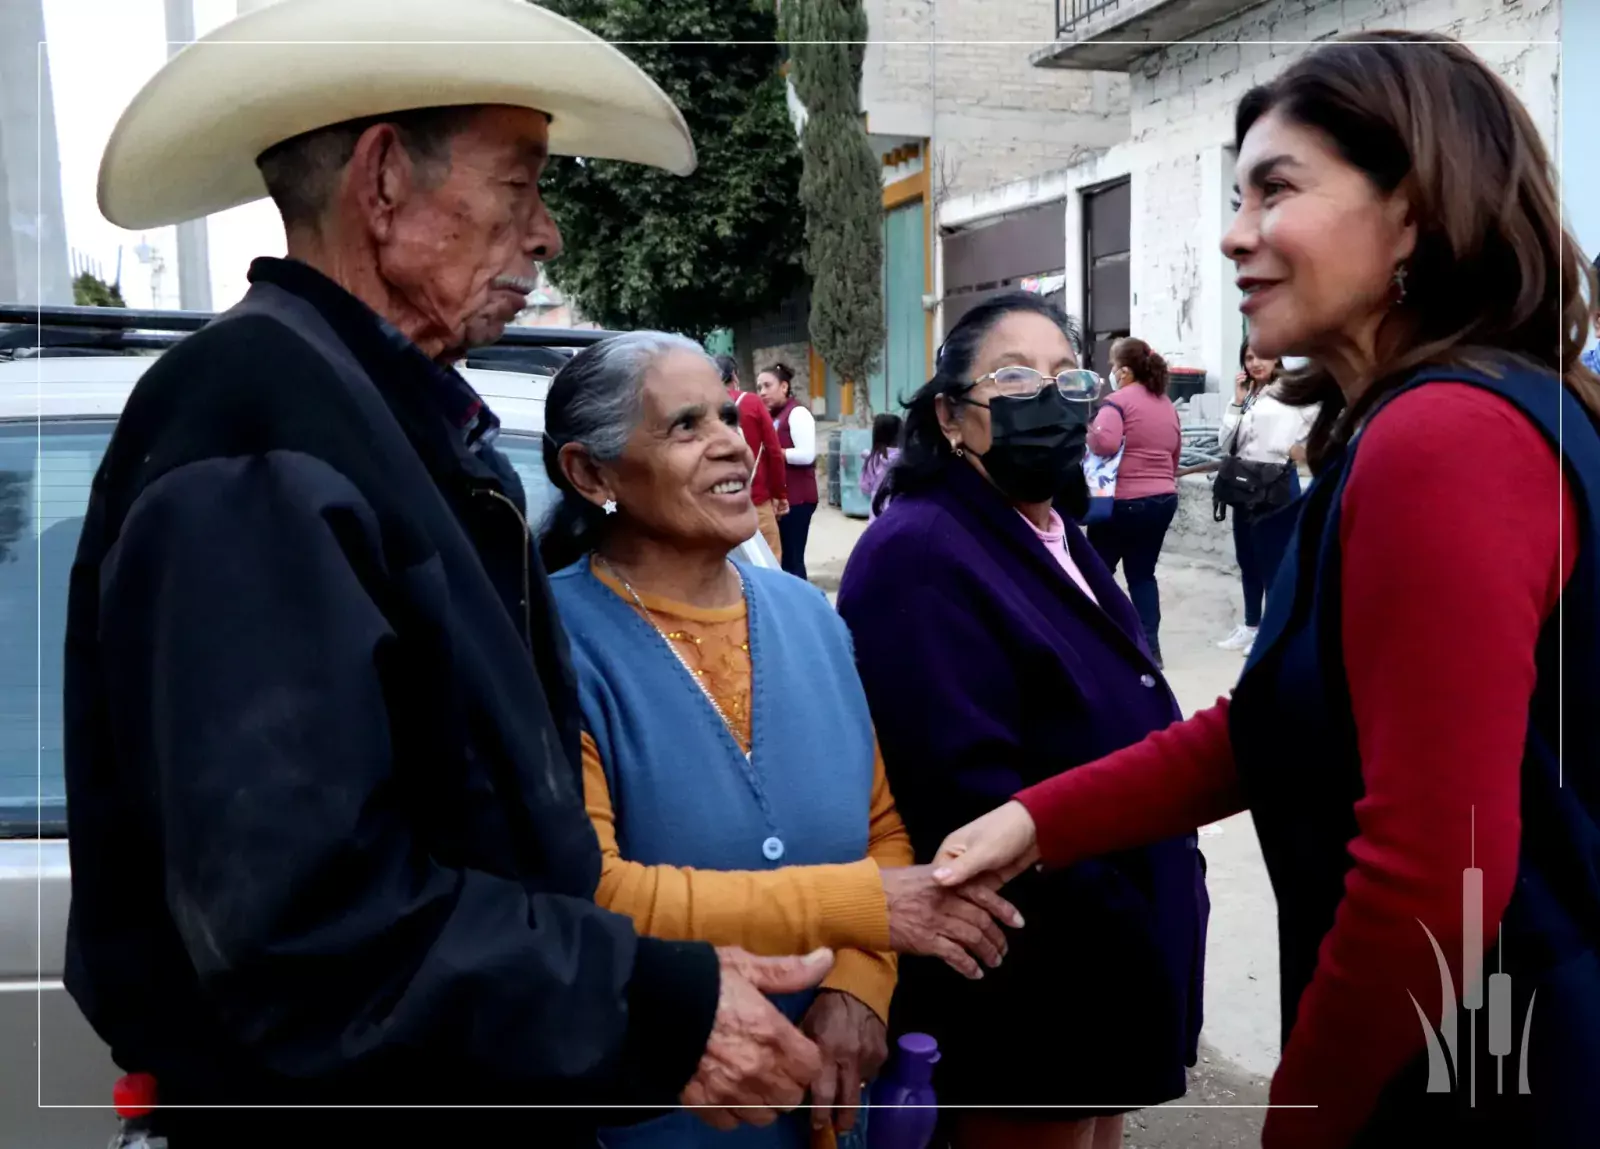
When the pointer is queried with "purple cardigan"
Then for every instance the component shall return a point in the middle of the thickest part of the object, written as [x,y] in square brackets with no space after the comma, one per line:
[987,670]
[874,470]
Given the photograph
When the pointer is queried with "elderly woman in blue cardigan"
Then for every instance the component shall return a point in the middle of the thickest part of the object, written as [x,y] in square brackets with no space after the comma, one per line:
[997,650]
[730,765]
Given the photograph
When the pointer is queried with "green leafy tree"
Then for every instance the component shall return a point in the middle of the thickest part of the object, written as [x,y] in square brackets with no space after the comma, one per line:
[89,290]
[840,187]
[645,248]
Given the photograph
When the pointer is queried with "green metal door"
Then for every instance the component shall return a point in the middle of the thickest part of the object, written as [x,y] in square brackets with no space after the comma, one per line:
[878,383]
[905,365]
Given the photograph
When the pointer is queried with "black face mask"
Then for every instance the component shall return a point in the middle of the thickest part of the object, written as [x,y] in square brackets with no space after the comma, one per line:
[1035,443]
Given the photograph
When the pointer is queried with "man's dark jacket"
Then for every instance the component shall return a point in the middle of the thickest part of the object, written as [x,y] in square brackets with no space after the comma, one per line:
[328,837]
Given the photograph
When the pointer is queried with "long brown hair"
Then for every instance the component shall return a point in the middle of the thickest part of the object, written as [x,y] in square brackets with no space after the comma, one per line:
[1277,368]
[1149,369]
[1493,274]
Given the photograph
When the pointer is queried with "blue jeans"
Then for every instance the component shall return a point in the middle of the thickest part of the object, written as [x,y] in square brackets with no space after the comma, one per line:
[1259,542]
[793,530]
[1134,535]
[1244,549]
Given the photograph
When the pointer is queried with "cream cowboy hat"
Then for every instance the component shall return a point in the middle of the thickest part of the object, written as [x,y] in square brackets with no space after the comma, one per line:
[187,144]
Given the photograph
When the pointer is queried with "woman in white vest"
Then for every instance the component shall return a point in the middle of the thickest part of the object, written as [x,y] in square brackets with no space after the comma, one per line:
[1261,428]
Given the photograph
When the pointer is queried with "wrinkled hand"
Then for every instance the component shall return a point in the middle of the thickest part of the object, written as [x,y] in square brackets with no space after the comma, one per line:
[754,1056]
[957,924]
[854,1045]
[1002,844]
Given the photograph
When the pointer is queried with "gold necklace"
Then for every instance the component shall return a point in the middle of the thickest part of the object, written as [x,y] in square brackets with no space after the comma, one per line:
[699,679]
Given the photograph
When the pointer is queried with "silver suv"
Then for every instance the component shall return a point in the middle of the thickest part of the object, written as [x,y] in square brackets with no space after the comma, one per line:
[57,411]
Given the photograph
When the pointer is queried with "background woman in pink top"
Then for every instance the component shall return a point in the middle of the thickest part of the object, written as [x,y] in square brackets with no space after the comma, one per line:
[1142,422]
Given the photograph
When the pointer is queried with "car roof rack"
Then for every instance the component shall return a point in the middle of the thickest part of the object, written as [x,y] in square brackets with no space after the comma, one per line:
[59,331]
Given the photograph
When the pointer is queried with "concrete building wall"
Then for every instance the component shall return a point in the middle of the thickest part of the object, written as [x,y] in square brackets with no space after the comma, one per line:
[1183,104]
[1179,151]
[897,69]
[997,117]
[958,73]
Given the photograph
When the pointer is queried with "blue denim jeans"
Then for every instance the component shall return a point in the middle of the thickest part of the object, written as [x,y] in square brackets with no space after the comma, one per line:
[793,530]
[1133,536]
[1244,550]
[1259,542]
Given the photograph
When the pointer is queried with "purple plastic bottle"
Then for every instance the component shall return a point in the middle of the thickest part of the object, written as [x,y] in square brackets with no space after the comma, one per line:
[903,1107]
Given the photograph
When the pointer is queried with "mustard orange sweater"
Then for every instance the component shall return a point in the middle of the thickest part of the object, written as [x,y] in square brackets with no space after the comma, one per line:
[785,911]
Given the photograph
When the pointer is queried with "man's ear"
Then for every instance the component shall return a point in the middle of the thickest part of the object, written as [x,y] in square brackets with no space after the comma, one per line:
[379,178]
[585,475]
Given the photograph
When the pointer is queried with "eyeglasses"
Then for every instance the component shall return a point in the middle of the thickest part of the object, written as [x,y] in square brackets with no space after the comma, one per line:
[1024,383]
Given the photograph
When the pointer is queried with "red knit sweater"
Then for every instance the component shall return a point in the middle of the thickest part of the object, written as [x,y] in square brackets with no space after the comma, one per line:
[770,480]
[1457,532]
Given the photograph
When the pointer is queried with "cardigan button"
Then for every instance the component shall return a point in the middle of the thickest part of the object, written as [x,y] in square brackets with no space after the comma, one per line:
[1148,681]
[772,849]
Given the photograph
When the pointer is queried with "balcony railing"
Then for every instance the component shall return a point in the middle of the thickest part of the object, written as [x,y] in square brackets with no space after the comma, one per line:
[1111,35]
[1071,13]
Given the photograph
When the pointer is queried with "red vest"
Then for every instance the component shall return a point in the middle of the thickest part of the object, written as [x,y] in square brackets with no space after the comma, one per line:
[802,480]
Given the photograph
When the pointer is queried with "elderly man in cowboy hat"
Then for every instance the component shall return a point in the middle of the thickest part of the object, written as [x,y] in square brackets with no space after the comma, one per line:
[328,838]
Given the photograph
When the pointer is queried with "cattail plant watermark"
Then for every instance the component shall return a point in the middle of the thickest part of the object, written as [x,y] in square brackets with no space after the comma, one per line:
[1444,1060]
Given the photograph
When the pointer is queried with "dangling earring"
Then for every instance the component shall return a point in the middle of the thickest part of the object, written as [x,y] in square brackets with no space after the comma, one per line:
[960,451]
[609,506]
[1400,284]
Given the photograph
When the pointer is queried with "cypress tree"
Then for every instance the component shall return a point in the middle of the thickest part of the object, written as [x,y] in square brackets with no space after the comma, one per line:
[841,187]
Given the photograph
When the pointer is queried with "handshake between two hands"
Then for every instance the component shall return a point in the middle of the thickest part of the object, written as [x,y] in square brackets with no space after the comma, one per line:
[757,1065]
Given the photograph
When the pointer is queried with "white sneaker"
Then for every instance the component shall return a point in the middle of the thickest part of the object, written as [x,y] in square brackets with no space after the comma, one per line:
[1240,639]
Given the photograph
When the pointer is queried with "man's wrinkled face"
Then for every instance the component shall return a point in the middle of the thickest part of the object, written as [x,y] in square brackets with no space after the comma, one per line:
[463,245]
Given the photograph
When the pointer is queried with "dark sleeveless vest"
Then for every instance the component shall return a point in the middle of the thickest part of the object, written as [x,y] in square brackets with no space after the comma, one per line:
[802,480]
[1294,695]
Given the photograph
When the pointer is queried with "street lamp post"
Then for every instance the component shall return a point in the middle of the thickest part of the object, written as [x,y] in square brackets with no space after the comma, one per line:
[194,248]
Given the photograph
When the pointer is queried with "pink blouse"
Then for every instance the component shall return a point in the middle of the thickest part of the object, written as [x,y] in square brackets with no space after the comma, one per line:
[1054,539]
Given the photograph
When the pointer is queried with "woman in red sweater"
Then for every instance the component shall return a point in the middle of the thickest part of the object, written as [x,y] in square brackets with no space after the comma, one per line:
[1415,732]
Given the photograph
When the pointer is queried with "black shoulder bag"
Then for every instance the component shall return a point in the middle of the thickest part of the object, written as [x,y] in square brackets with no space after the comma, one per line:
[1249,488]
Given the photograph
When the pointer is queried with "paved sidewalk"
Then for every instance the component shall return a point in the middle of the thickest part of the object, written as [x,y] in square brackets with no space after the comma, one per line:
[833,537]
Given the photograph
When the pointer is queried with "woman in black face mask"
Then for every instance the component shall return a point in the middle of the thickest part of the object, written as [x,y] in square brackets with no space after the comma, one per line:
[996,648]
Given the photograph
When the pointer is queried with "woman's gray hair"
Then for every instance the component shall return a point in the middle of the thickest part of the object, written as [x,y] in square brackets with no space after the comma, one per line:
[595,401]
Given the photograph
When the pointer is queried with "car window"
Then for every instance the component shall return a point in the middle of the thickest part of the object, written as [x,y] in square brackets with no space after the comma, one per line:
[45,472]
[526,454]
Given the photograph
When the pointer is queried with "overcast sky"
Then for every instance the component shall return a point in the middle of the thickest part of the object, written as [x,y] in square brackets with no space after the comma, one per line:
[101,53]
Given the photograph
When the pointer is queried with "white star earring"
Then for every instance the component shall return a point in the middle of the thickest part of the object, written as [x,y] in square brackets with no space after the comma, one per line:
[609,506]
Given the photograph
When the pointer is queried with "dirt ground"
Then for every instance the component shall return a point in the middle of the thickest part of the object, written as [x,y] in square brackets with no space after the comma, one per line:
[1228,1087]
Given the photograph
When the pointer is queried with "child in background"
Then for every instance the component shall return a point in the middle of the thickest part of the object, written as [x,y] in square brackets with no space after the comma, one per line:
[877,461]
